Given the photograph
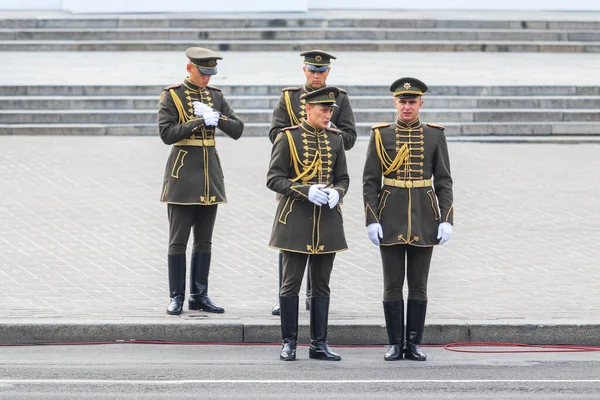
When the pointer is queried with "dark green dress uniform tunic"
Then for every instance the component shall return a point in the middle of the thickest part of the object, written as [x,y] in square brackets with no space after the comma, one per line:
[410,205]
[302,156]
[290,111]
[193,174]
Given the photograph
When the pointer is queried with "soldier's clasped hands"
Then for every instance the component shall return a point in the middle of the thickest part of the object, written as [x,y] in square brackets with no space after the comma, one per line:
[332,197]
[316,195]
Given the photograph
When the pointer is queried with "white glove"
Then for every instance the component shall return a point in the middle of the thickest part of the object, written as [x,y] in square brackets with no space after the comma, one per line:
[211,118]
[316,195]
[329,124]
[375,232]
[444,232]
[201,108]
[333,197]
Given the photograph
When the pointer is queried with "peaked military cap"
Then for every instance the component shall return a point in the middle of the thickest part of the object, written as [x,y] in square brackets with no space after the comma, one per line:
[203,59]
[317,60]
[325,96]
[406,88]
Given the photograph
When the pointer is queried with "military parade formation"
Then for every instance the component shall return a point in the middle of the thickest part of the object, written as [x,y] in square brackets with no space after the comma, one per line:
[407,193]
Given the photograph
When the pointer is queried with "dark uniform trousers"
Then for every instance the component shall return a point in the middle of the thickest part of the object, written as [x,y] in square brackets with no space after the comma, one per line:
[293,266]
[289,111]
[182,218]
[400,261]
[416,196]
[193,185]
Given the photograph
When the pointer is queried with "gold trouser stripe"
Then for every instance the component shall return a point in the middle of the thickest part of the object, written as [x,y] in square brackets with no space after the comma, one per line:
[407,184]
[196,142]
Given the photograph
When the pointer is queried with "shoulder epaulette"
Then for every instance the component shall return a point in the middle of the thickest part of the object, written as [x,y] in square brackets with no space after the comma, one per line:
[333,130]
[343,91]
[380,126]
[213,87]
[291,88]
[172,87]
[436,126]
[289,128]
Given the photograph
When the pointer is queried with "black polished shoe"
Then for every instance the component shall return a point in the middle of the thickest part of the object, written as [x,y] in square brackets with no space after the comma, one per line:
[276,310]
[288,351]
[413,352]
[394,353]
[175,305]
[204,303]
[322,351]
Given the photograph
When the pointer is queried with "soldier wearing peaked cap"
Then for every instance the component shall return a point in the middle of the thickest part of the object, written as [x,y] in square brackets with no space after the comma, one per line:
[308,169]
[410,213]
[188,117]
[291,109]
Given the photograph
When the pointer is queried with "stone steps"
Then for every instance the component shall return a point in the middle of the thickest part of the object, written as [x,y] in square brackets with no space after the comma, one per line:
[510,130]
[275,90]
[229,21]
[296,33]
[146,102]
[468,110]
[371,115]
[249,34]
[303,45]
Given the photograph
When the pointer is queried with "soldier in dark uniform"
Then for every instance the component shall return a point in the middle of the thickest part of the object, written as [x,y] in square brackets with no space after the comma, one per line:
[291,109]
[188,116]
[308,169]
[409,214]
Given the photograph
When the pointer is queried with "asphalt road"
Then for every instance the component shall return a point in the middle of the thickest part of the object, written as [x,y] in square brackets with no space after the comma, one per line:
[131,371]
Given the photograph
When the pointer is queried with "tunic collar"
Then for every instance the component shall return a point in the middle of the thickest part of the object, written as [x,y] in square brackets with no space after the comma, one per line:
[189,84]
[416,124]
[311,129]
[310,88]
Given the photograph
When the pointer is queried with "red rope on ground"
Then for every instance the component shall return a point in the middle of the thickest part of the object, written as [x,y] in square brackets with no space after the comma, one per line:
[523,348]
[459,347]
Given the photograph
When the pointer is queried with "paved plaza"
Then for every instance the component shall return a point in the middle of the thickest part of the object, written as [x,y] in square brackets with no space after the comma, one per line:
[83,236]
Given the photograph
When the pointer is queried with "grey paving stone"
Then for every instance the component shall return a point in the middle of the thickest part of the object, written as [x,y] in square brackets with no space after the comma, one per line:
[83,235]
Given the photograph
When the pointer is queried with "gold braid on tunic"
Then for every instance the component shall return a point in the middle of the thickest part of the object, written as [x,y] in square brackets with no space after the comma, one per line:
[308,170]
[290,110]
[387,164]
[183,115]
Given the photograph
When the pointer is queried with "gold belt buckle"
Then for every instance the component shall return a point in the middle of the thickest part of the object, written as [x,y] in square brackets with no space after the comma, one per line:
[408,184]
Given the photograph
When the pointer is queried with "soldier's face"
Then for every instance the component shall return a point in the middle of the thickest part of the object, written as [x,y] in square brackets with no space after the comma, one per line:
[318,115]
[408,109]
[197,77]
[315,79]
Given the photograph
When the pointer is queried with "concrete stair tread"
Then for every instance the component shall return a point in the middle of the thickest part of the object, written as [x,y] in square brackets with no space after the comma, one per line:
[299,42]
[303,29]
[274,96]
[361,124]
[264,110]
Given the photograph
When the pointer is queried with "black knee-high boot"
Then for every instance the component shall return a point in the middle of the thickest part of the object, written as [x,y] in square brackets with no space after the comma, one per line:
[199,300]
[394,324]
[289,327]
[415,324]
[319,314]
[277,310]
[176,264]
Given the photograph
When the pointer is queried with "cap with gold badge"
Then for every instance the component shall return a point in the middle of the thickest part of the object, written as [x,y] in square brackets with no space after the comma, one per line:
[317,60]
[325,96]
[407,88]
[203,59]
